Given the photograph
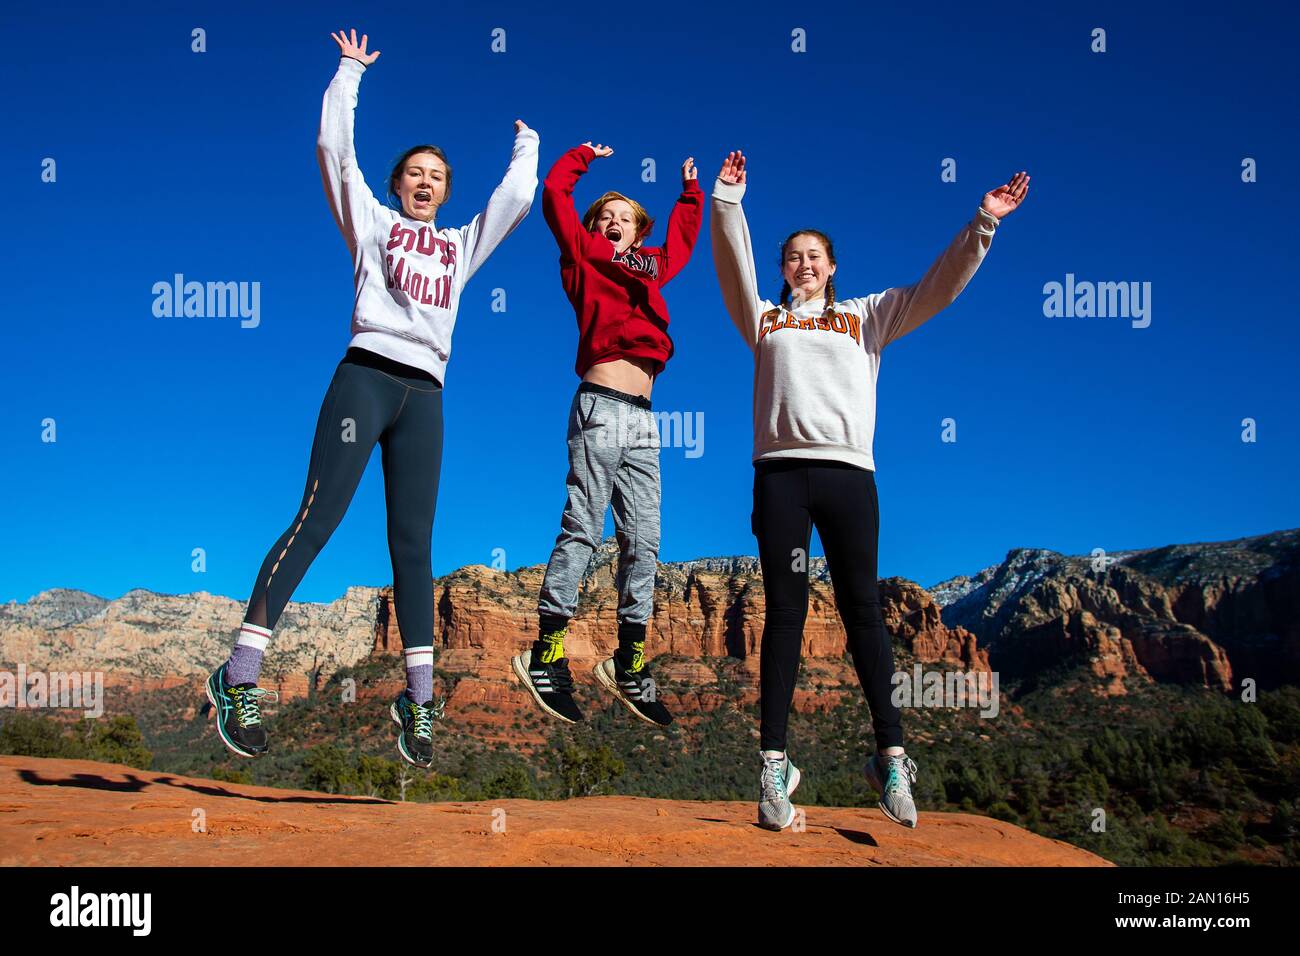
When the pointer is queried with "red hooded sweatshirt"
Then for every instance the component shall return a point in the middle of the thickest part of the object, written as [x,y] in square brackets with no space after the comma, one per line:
[621,312]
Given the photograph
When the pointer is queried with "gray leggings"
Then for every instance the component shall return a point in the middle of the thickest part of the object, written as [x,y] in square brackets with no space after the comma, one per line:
[613,459]
[370,399]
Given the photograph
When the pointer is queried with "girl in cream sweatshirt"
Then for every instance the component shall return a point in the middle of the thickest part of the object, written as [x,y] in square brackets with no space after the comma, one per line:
[816,361]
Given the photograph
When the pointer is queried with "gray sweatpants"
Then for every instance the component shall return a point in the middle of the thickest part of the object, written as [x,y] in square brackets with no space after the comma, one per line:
[613,459]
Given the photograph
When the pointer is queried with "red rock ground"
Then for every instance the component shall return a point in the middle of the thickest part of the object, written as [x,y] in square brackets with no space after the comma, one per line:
[81,813]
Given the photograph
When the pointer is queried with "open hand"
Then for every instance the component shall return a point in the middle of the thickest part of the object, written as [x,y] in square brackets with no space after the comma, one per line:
[1007,199]
[733,167]
[600,150]
[348,46]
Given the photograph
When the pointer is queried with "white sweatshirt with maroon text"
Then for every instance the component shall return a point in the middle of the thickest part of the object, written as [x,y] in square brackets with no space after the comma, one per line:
[409,273]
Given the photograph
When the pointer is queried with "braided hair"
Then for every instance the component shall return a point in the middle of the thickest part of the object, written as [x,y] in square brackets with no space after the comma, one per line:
[825,240]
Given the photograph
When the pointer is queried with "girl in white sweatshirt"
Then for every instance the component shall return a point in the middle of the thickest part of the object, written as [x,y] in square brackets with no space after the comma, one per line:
[816,359]
[409,274]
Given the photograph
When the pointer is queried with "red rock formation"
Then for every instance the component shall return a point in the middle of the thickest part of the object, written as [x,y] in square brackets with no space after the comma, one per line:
[485,616]
[1203,614]
[1206,614]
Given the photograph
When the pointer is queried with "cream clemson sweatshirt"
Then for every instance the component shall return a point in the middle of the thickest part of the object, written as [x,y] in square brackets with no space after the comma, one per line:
[814,373]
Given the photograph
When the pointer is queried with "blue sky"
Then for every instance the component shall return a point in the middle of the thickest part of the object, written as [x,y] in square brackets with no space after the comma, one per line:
[1072,433]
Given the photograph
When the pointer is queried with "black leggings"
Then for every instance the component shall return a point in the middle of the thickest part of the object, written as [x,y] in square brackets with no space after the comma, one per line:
[370,399]
[791,495]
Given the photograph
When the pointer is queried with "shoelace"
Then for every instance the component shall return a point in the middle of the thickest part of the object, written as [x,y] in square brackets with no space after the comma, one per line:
[634,682]
[425,716]
[900,774]
[774,780]
[423,721]
[248,704]
[561,679]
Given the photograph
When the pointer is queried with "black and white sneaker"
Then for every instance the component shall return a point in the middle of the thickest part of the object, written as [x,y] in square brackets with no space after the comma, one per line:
[635,690]
[550,684]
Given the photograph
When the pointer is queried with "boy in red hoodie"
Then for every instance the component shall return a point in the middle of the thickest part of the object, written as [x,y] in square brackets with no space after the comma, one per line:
[614,283]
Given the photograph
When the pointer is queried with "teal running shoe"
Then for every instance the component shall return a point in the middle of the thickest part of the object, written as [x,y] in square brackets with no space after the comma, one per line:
[892,777]
[415,742]
[776,781]
[238,712]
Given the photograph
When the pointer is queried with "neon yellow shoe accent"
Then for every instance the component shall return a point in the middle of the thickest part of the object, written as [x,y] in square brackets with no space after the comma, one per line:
[554,645]
[638,657]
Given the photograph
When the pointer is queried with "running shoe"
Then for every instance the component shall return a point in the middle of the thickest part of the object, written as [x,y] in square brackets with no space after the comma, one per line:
[550,684]
[415,742]
[635,690]
[238,712]
[777,781]
[892,777]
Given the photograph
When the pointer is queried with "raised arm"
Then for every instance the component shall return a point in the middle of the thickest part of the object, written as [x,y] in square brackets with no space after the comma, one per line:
[557,198]
[508,204]
[893,313]
[354,206]
[683,223]
[733,255]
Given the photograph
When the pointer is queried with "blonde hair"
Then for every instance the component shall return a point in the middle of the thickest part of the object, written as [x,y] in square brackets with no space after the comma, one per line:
[643,221]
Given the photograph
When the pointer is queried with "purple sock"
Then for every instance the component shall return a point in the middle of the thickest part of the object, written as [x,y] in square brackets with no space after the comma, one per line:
[419,673]
[245,664]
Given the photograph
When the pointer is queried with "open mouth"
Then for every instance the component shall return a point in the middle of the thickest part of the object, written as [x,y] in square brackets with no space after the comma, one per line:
[423,196]
[613,234]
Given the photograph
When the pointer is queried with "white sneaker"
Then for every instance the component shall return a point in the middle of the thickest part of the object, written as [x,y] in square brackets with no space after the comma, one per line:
[776,781]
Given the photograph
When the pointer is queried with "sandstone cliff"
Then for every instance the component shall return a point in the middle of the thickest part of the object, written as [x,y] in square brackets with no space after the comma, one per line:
[1210,614]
